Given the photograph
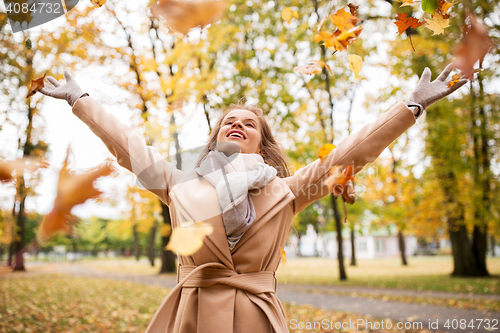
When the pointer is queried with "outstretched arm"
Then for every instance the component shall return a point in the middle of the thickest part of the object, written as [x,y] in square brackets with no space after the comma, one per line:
[129,148]
[364,146]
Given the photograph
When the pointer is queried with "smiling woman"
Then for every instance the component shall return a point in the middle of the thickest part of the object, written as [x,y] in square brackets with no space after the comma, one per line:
[241,187]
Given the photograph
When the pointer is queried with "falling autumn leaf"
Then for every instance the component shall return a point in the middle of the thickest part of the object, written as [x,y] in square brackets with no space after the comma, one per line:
[437,24]
[355,64]
[353,9]
[337,179]
[443,7]
[98,3]
[322,63]
[8,168]
[182,16]
[71,190]
[404,22]
[473,47]
[36,85]
[288,13]
[454,80]
[429,6]
[283,256]
[347,31]
[324,151]
[343,20]
[308,69]
[187,240]
[406,3]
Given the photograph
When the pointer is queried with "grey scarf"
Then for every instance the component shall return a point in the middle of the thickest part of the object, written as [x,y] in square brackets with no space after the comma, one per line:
[232,178]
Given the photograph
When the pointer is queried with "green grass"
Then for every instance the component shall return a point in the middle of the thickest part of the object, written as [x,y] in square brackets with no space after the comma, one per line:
[422,273]
[59,303]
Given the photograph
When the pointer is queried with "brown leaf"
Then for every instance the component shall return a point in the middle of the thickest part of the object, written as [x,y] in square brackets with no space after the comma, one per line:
[7,168]
[353,9]
[71,190]
[36,85]
[97,3]
[473,47]
[337,179]
[442,8]
[186,15]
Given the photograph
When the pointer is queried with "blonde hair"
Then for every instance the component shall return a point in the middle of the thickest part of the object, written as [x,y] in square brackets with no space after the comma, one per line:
[271,151]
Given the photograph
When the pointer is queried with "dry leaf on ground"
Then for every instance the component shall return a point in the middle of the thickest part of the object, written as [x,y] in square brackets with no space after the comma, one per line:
[36,85]
[182,16]
[187,240]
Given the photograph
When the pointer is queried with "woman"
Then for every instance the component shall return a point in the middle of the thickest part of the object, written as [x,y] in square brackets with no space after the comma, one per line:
[241,187]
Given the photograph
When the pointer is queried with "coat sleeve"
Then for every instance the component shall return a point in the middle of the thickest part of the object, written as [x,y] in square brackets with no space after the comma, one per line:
[358,149]
[130,149]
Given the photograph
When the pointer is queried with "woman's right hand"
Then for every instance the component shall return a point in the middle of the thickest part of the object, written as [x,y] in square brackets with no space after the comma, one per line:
[70,91]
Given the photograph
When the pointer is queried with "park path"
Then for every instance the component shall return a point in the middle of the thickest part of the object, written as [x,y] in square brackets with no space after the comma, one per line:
[325,297]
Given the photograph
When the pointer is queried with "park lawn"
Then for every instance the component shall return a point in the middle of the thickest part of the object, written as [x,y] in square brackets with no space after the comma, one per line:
[60,303]
[422,273]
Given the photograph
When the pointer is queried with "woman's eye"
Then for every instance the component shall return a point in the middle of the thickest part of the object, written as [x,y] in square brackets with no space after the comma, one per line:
[251,125]
[228,123]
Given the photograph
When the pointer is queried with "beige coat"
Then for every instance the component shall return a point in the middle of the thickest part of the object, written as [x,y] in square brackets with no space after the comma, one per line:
[222,291]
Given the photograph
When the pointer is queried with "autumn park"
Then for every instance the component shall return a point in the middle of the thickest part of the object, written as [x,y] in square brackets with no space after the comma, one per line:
[249,166]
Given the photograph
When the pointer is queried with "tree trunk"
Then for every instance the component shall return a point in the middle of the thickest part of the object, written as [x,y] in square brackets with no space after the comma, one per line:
[353,252]
[19,240]
[464,261]
[479,248]
[151,246]
[338,228]
[492,240]
[136,242]
[402,247]
[11,253]
[167,257]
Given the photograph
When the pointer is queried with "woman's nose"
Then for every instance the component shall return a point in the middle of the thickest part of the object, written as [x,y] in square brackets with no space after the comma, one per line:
[236,123]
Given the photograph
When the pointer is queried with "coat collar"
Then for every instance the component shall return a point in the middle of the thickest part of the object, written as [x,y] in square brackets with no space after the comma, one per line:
[196,200]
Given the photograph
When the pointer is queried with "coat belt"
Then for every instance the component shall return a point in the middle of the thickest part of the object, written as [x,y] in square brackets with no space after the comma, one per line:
[210,274]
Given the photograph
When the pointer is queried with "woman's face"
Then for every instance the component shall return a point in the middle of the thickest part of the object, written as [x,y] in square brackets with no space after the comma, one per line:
[241,127]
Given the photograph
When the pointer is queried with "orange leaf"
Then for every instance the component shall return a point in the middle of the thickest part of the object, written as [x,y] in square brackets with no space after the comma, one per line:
[7,168]
[454,80]
[337,179]
[71,190]
[404,22]
[473,47]
[36,85]
[442,8]
[324,151]
[343,20]
[186,15]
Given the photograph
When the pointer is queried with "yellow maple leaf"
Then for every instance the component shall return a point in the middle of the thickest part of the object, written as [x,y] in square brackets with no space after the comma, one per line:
[187,240]
[355,64]
[288,13]
[438,24]
[324,151]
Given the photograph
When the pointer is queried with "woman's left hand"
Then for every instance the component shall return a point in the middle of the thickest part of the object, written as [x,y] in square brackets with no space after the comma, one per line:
[427,92]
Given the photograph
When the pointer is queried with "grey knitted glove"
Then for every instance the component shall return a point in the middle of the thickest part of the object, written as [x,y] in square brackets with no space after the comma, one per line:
[427,92]
[71,91]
